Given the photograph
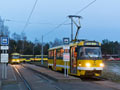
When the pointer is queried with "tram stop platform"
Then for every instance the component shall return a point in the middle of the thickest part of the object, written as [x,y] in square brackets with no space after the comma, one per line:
[11,82]
[56,76]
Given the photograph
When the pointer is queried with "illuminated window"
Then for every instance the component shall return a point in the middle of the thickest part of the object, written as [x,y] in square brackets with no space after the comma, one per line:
[51,54]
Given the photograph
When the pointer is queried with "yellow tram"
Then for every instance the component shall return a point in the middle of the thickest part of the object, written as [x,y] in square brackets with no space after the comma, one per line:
[15,58]
[38,58]
[18,58]
[22,58]
[28,58]
[85,58]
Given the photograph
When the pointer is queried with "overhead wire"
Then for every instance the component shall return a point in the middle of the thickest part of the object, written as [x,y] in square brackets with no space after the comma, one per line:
[58,26]
[85,7]
[15,21]
[27,22]
[43,23]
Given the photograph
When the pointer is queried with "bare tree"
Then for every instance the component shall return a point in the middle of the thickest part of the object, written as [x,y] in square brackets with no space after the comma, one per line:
[3,29]
[16,37]
[56,42]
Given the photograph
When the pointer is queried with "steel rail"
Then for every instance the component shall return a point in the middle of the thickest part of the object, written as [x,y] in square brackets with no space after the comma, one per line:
[43,77]
[24,80]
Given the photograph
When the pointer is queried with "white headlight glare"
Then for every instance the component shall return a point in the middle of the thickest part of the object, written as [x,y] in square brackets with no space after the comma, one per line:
[88,64]
[101,65]
[79,64]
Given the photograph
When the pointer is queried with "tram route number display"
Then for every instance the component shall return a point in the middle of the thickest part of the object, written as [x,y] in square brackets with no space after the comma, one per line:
[66,57]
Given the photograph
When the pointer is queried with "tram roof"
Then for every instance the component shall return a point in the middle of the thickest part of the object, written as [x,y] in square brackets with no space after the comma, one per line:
[41,55]
[80,43]
[15,54]
[26,55]
[57,47]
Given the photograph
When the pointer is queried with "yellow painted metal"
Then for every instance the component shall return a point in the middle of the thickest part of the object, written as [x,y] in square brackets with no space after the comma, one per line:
[15,60]
[93,63]
[96,74]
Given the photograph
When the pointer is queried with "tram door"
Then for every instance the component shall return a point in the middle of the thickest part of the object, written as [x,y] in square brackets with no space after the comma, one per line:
[54,61]
[73,61]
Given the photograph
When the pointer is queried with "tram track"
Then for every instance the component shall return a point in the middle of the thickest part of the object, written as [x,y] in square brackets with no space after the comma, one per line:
[22,78]
[28,83]
[44,78]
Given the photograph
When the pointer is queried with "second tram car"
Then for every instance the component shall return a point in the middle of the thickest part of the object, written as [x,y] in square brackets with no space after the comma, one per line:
[38,58]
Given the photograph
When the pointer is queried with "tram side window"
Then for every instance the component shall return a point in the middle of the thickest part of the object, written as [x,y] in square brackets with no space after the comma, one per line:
[60,54]
[15,56]
[51,55]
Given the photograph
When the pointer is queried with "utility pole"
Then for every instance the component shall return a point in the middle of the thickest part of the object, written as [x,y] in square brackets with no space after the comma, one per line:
[23,47]
[33,52]
[23,42]
[71,30]
[78,25]
[34,45]
[42,51]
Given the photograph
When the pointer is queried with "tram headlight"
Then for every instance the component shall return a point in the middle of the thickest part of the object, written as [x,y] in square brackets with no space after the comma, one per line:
[101,64]
[17,60]
[79,64]
[88,64]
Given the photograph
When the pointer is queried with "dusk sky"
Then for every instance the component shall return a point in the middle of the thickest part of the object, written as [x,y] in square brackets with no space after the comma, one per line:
[100,21]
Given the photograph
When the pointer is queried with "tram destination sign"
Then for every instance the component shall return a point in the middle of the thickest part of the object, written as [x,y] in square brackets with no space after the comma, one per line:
[92,43]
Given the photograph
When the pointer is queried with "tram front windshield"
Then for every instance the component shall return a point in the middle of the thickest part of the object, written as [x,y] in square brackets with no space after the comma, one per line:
[91,52]
[15,56]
